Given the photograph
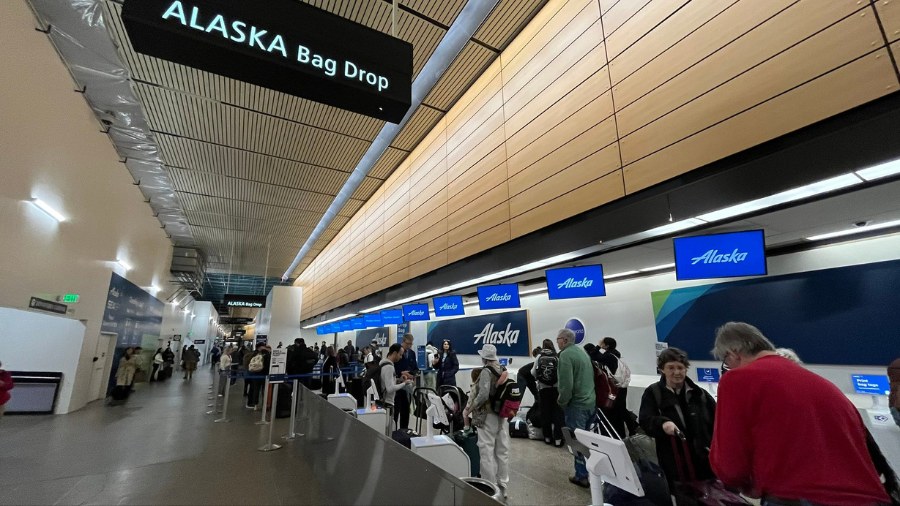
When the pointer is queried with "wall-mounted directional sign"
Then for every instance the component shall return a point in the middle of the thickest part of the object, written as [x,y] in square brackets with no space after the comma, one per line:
[284,45]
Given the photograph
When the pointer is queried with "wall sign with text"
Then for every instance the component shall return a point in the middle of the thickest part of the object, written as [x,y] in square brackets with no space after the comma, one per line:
[507,331]
[498,296]
[252,301]
[451,305]
[392,317]
[283,45]
[415,312]
[575,282]
[720,255]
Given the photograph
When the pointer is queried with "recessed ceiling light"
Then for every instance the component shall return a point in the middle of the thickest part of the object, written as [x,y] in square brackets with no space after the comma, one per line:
[855,230]
[656,268]
[45,207]
[122,263]
[620,274]
[881,170]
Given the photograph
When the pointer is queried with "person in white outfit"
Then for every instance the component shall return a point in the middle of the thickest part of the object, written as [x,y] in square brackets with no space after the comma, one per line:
[493,431]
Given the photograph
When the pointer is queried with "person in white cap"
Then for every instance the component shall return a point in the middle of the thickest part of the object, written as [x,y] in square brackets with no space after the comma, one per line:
[493,432]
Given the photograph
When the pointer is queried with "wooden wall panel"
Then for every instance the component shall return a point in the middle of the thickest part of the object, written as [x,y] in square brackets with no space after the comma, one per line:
[643,21]
[807,60]
[536,139]
[718,33]
[859,82]
[889,12]
[686,20]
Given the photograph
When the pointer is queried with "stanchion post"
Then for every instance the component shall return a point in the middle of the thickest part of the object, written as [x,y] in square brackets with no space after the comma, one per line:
[262,420]
[268,447]
[224,418]
[295,394]
[215,391]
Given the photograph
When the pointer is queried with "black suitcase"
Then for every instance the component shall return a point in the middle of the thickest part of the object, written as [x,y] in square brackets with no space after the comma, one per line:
[119,395]
[404,437]
[283,408]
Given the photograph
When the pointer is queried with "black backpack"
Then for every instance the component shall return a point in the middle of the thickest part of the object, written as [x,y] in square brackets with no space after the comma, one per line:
[547,366]
[373,376]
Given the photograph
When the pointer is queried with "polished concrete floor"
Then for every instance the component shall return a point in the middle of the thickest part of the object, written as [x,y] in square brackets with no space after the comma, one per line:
[161,448]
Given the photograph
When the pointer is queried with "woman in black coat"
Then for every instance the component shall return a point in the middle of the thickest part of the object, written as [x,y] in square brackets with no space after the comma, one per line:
[329,371]
[448,365]
[676,404]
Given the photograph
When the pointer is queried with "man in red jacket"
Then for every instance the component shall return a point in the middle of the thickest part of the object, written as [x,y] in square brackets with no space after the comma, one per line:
[785,434]
[6,384]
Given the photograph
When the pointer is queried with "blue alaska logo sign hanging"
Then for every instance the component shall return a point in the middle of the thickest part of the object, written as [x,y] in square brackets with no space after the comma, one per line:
[575,282]
[507,331]
[720,255]
[498,296]
[452,305]
[284,45]
[415,312]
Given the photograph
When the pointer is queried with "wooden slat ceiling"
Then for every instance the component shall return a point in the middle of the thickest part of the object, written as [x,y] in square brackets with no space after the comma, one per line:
[255,169]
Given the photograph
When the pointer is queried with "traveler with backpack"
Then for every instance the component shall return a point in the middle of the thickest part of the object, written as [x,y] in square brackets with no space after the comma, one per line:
[493,431]
[576,393]
[618,414]
[676,407]
[257,366]
[387,384]
[545,371]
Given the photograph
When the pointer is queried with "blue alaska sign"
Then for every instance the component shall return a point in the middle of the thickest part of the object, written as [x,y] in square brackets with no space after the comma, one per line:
[391,317]
[507,331]
[358,323]
[372,320]
[346,325]
[720,255]
[575,282]
[415,312]
[498,296]
[451,305]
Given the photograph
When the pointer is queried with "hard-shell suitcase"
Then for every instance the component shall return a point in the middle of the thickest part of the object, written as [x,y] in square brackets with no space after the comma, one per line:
[119,395]
[468,441]
[404,437]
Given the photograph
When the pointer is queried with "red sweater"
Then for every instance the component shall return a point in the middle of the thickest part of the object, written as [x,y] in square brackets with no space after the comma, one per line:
[7,380]
[785,432]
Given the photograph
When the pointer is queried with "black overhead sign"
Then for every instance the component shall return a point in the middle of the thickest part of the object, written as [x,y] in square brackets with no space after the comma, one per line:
[285,45]
[47,305]
[232,300]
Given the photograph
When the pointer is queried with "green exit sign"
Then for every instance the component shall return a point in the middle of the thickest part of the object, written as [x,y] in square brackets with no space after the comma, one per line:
[70,298]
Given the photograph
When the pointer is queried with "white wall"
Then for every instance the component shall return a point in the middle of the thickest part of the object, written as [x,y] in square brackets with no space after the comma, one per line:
[52,148]
[40,342]
[280,320]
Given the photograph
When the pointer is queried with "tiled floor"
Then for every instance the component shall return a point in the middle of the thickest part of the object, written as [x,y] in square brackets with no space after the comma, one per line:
[161,448]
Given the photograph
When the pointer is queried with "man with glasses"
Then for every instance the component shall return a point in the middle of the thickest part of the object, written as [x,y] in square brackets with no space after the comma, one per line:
[575,382]
[786,434]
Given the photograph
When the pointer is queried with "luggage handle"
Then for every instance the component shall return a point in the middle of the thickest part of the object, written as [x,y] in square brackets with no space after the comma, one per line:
[688,461]
[607,425]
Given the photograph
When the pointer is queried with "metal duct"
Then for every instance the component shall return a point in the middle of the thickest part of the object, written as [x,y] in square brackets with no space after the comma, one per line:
[468,21]
[78,31]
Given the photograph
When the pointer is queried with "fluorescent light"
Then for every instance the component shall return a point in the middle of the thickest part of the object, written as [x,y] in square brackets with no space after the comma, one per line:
[656,268]
[620,274]
[881,170]
[123,264]
[668,228]
[855,230]
[533,290]
[43,206]
[349,315]
[825,186]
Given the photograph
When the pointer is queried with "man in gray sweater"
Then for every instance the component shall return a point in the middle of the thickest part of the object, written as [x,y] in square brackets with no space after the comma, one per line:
[390,384]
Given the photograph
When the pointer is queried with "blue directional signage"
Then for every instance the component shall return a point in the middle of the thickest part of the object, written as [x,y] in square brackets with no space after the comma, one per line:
[498,296]
[708,375]
[391,317]
[871,384]
[720,255]
[358,323]
[575,282]
[415,312]
[451,305]
[346,325]
[321,330]
[372,320]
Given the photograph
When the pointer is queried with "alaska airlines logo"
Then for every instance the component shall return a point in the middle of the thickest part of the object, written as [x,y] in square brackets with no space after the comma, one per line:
[496,297]
[115,292]
[714,257]
[448,307]
[488,335]
[416,312]
[571,283]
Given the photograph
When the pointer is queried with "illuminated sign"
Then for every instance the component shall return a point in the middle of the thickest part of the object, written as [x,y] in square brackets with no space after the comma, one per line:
[720,255]
[498,296]
[416,312]
[253,301]
[70,298]
[575,282]
[283,45]
[452,305]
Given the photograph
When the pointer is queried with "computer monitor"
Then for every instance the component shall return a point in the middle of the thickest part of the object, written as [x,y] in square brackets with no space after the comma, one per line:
[608,458]
[871,384]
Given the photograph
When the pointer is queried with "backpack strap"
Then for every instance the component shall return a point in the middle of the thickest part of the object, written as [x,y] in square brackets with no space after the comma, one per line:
[657,394]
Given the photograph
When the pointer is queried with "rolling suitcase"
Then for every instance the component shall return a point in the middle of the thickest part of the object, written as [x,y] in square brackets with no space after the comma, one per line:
[468,441]
[119,395]
[691,491]
[283,408]
[404,437]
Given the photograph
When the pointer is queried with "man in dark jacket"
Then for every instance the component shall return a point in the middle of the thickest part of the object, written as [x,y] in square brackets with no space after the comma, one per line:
[406,368]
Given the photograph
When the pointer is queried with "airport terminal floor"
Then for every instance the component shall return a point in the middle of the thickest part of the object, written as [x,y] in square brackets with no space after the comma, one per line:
[161,448]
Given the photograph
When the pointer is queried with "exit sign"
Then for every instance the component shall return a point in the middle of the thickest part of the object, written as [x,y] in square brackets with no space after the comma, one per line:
[70,298]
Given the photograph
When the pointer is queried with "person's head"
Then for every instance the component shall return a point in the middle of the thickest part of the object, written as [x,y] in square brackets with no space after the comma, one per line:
[298,341]
[673,364]
[395,352]
[536,352]
[789,354]
[159,350]
[331,352]
[548,345]
[366,350]
[739,343]
[488,353]
[138,349]
[192,347]
[374,344]
[446,345]
[589,348]
[229,350]
[608,343]
[349,343]
[565,338]
[407,341]
[129,352]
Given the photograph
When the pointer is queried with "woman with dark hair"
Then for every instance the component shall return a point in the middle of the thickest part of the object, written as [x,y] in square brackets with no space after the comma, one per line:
[545,371]
[448,365]
[329,371]
[676,407]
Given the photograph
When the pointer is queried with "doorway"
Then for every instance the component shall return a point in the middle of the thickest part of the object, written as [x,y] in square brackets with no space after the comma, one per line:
[102,354]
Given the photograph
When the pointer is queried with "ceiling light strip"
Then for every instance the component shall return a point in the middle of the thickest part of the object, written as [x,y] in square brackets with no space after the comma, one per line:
[468,21]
